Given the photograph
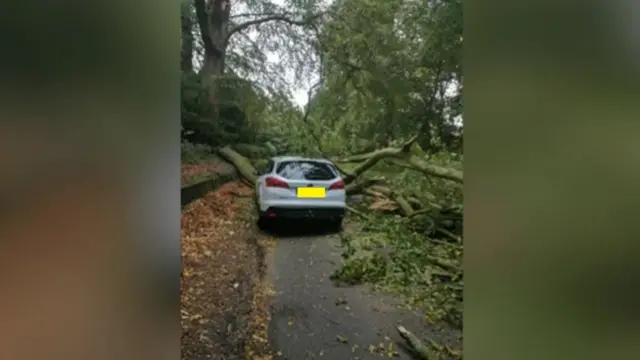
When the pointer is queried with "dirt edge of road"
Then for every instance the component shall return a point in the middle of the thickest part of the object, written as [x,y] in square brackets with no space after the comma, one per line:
[225,293]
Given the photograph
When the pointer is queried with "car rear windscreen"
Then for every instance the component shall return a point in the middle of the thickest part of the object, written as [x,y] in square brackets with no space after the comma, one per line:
[305,170]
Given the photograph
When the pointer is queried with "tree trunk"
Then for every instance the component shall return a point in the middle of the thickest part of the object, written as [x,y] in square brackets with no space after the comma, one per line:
[213,19]
[186,46]
[242,164]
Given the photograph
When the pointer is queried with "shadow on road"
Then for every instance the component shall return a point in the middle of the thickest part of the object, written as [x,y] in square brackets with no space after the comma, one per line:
[298,228]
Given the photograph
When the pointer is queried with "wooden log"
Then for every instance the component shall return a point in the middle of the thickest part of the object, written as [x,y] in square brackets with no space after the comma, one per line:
[241,163]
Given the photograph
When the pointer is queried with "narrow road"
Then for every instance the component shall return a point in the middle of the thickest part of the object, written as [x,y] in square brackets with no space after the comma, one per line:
[312,319]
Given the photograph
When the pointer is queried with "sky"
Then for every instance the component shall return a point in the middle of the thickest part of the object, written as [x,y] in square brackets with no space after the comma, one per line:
[300,92]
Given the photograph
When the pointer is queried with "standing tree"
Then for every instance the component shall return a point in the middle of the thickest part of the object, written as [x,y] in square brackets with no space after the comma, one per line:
[186,39]
[218,26]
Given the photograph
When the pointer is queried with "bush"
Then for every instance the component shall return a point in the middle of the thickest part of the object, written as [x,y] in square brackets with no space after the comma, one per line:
[201,124]
[195,153]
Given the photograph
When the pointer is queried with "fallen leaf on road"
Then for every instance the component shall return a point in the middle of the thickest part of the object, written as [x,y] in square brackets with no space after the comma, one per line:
[341,339]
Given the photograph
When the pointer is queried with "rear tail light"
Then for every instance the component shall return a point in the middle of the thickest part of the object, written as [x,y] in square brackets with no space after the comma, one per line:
[338,185]
[275,182]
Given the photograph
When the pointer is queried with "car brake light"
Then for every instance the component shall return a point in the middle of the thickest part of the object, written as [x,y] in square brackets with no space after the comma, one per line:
[275,182]
[338,185]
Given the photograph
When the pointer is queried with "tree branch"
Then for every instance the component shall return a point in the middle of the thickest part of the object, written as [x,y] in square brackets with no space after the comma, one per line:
[325,49]
[279,17]
[373,158]
[311,99]
[252,15]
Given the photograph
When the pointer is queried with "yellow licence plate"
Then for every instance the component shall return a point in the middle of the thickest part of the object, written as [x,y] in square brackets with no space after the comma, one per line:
[311,193]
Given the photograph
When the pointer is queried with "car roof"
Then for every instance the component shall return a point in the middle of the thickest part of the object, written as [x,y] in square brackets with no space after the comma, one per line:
[299,158]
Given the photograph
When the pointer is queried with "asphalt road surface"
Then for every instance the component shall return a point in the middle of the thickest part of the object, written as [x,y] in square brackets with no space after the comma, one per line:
[313,319]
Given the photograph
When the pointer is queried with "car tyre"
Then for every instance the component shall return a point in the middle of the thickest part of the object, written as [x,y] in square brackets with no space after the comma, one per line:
[335,225]
[264,223]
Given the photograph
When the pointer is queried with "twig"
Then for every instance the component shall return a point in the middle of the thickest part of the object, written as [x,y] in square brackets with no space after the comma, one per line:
[415,344]
[443,264]
[422,350]
[359,213]
[449,234]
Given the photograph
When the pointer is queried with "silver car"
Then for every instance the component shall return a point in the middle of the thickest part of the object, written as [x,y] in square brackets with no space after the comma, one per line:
[292,187]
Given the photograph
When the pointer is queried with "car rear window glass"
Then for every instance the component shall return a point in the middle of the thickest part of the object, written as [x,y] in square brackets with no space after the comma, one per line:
[305,170]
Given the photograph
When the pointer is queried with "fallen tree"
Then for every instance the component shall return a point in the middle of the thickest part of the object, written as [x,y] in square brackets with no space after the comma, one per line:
[373,187]
[241,163]
[370,159]
[248,173]
[417,209]
[360,186]
[426,351]
[401,156]
[403,204]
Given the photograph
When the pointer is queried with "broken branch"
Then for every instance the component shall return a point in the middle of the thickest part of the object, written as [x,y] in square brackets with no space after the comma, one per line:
[425,352]
[449,234]
[415,344]
[376,156]
[242,164]
[359,213]
[402,156]
[434,170]
[443,264]
[360,186]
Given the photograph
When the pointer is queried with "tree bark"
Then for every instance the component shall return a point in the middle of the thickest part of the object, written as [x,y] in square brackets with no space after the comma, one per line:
[242,164]
[426,351]
[213,19]
[370,159]
[186,46]
[407,160]
[359,186]
[434,170]
[414,343]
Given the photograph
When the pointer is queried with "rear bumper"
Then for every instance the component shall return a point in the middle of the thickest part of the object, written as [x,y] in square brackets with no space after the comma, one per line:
[305,213]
